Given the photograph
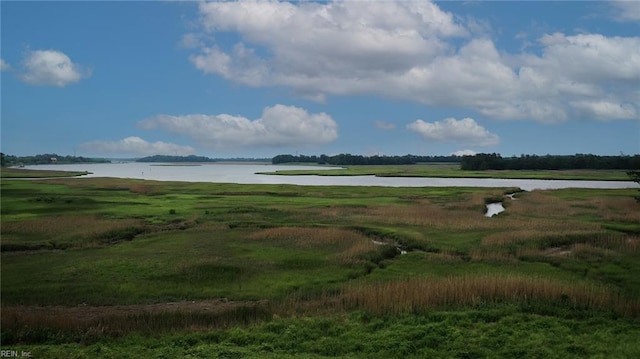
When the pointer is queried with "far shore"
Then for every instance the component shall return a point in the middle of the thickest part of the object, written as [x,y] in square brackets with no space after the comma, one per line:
[453,171]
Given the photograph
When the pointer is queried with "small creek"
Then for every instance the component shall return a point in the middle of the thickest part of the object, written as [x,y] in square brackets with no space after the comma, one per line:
[497,207]
[380,243]
[494,208]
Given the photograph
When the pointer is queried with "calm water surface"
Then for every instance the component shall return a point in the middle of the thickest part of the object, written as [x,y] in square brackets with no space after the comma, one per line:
[246,174]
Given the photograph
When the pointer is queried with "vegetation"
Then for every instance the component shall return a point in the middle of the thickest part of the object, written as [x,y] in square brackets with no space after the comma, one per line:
[345,159]
[493,161]
[635,177]
[478,162]
[243,159]
[47,158]
[171,159]
[449,170]
[113,267]
[6,172]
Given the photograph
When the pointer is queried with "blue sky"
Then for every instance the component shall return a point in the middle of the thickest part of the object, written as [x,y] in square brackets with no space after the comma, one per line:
[256,79]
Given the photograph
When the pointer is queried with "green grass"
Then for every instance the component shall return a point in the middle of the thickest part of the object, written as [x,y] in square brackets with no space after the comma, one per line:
[496,332]
[453,170]
[10,172]
[291,261]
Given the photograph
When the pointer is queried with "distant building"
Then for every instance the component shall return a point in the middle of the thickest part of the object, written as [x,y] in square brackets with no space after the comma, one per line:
[54,160]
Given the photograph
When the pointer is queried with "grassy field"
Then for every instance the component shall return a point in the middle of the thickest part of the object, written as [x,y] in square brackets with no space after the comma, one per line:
[453,170]
[10,172]
[111,267]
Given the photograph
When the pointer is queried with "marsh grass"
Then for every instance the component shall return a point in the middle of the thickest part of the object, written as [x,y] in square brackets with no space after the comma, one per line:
[66,231]
[8,172]
[492,255]
[399,297]
[90,324]
[347,247]
[418,294]
[144,189]
[453,170]
[297,251]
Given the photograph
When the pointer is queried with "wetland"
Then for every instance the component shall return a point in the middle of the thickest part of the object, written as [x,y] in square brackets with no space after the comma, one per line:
[111,267]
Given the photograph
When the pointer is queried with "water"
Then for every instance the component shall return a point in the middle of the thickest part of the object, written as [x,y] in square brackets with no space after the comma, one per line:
[246,174]
[494,208]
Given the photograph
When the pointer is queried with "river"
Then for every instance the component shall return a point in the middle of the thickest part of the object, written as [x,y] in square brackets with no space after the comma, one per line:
[246,174]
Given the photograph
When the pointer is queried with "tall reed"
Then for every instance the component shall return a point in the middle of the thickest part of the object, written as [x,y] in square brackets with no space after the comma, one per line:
[418,294]
[347,246]
[73,230]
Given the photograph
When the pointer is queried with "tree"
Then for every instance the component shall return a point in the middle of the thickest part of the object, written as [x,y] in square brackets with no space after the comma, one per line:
[635,177]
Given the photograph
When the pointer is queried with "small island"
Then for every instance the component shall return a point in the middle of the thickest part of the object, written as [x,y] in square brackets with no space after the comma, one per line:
[44,159]
[175,159]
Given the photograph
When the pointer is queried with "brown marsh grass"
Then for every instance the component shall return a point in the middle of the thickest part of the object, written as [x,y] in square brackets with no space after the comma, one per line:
[140,188]
[76,227]
[608,247]
[87,323]
[419,294]
[349,245]
[492,255]
[620,209]
[306,237]
[538,237]
[27,323]
[444,257]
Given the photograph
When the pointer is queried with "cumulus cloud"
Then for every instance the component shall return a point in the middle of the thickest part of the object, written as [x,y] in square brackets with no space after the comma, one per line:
[415,51]
[461,153]
[51,67]
[279,126]
[316,48]
[624,11]
[4,66]
[604,110]
[136,146]
[465,131]
[384,125]
[577,72]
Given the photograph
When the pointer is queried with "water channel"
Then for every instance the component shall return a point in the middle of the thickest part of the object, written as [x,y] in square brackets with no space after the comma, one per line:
[247,174]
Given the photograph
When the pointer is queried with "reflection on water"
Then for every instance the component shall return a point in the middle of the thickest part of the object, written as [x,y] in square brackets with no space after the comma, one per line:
[493,209]
[246,174]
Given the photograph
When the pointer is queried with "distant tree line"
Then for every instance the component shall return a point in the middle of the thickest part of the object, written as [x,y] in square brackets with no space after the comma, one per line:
[166,158]
[635,177]
[349,159]
[243,159]
[46,158]
[493,161]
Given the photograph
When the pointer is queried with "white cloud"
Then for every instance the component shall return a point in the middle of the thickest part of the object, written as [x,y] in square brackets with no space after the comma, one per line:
[50,67]
[191,41]
[279,126]
[405,50]
[577,72]
[590,58]
[465,131]
[136,146]
[461,153]
[624,11]
[384,125]
[605,110]
[316,48]
[4,66]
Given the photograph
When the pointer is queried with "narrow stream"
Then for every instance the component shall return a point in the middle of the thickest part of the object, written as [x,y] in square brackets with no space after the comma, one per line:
[379,243]
[497,207]
[494,208]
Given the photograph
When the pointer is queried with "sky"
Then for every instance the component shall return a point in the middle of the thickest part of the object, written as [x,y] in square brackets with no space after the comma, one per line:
[125,79]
